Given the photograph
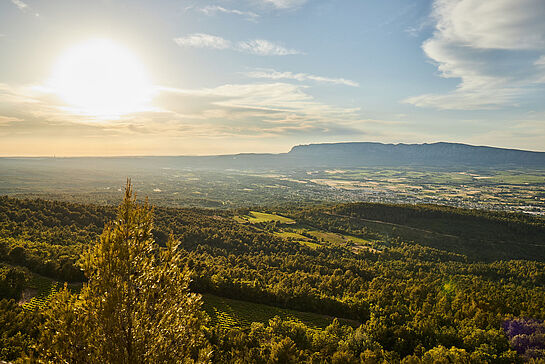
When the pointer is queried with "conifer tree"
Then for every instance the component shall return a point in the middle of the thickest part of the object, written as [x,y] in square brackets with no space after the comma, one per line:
[136,306]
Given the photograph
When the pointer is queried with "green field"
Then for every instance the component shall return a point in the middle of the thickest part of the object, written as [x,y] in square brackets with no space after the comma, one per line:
[298,238]
[310,244]
[294,233]
[319,235]
[336,238]
[290,235]
[40,291]
[255,217]
[229,313]
[44,289]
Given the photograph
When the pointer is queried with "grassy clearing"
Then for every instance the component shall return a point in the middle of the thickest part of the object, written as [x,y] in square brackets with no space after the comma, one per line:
[240,219]
[229,313]
[290,235]
[255,217]
[334,238]
[310,244]
[40,290]
[297,238]
[295,235]
[44,289]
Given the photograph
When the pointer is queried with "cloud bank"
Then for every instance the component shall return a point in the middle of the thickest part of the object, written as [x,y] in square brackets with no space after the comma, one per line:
[494,47]
[241,110]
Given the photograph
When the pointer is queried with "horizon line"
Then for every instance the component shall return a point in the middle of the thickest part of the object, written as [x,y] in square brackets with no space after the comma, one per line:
[54,156]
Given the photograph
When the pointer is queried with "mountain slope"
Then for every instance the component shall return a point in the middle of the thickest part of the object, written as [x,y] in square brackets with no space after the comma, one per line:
[436,154]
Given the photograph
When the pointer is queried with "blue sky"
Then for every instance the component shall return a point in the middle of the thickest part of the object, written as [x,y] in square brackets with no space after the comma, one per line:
[231,76]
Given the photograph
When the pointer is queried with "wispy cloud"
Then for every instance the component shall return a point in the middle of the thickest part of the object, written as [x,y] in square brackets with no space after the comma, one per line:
[201,40]
[259,110]
[258,47]
[417,29]
[6,120]
[21,5]
[214,9]
[276,75]
[493,47]
[207,120]
[263,47]
[272,100]
[285,4]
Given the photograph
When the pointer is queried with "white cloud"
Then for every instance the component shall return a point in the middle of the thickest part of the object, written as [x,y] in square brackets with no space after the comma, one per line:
[467,99]
[213,9]
[261,109]
[491,46]
[497,24]
[285,4]
[263,47]
[201,40]
[260,97]
[21,5]
[258,47]
[276,75]
[540,61]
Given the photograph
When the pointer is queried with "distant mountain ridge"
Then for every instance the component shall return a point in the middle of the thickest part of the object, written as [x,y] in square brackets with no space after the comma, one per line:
[332,155]
[435,154]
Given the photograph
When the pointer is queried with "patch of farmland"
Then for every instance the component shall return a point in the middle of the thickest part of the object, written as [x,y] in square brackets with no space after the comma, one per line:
[229,313]
[335,238]
[255,217]
[44,289]
[290,235]
[297,238]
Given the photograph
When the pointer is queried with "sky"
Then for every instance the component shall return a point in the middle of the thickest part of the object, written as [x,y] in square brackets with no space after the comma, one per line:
[139,77]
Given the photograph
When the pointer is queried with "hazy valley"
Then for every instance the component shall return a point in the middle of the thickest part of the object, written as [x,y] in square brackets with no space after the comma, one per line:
[514,182]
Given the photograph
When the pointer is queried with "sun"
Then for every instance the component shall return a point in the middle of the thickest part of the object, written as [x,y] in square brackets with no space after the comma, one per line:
[102,79]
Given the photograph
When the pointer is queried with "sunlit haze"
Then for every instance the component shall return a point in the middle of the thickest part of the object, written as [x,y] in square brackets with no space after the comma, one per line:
[200,77]
[100,78]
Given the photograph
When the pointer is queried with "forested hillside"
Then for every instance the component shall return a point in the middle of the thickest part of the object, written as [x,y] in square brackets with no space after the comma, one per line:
[478,234]
[408,292]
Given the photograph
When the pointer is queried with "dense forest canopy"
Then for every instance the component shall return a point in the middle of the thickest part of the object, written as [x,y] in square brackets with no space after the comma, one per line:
[410,294]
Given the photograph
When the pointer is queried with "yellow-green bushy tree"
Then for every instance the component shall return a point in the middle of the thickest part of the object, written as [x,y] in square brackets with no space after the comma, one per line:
[136,306]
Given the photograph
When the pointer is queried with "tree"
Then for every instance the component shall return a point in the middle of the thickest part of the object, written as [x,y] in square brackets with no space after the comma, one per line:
[440,355]
[136,306]
[284,351]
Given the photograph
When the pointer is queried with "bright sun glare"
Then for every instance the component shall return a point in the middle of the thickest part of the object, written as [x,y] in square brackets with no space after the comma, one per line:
[99,78]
